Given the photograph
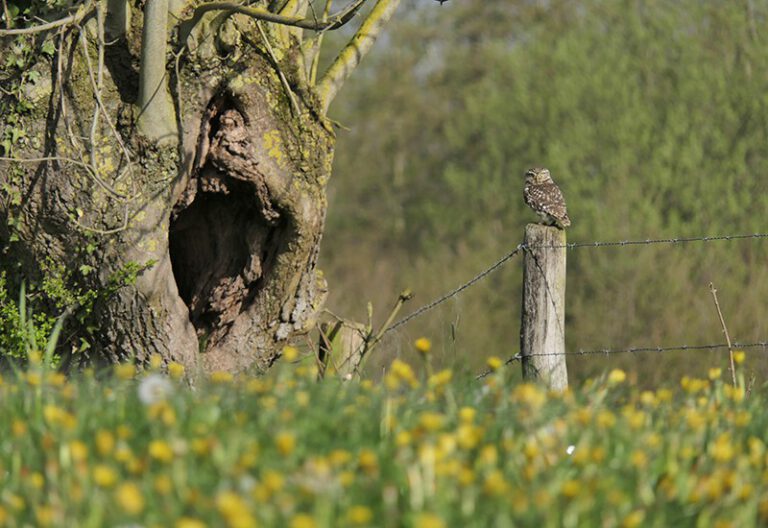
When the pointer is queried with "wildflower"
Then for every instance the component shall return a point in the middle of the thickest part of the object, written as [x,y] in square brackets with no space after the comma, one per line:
[155,361]
[428,520]
[467,414]
[37,480]
[285,443]
[189,522]
[431,421]
[175,370]
[617,376]
[495,484]
[368,461]
[440,379]
[154,388]
[359,515]
[105,442]
[18,428]
[302,520]
[125,371]
[104,476]
[78,450]
[638,458]
[530,394]
[494,363]
[739,356]
[234,509]
[129,498]
[570,488]
[160,450]
[221,377]
[290,354]
[722,449]
[633,520]
[44,515]
[163,484]
[403,439]
[715,373]
[423,345]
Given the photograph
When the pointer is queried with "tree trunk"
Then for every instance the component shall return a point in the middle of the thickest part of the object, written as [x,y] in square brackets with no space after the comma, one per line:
[226,217]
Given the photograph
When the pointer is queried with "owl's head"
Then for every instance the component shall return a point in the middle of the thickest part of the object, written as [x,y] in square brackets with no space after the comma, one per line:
[537,175]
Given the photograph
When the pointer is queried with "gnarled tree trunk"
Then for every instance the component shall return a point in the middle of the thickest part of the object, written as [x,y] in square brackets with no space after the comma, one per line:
[205,163]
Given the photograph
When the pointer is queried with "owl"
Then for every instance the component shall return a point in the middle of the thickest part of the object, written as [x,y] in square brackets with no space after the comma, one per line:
[543,196]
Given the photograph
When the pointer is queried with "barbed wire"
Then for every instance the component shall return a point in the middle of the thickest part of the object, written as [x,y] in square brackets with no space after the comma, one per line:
[632,350]
[574,245]
[455,291]
[648,241]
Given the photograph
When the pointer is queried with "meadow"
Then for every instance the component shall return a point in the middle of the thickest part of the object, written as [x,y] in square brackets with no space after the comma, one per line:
[417,448]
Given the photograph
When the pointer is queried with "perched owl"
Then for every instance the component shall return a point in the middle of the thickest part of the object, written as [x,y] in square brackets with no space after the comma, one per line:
[543,196]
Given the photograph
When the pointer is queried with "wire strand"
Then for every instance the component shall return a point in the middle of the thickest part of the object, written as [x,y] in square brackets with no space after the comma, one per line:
[575,245]
[632,350]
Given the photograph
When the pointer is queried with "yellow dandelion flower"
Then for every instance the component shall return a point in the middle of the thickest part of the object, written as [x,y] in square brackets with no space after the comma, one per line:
[529,394]
[739,356]
[467,414]
[44,515]
[105,442]
[722,448]
[403,439]
[494,363]
[489,455]
[235,510]
[175,370]
[368,461]
[423,345]
[221,377]
[638,458]
[155,361]
[431,421]
[715,373]
[570,488]
[285,443]
[290,354]
[359,515]
[18,428]
[125,371]
[189,522]
[617,376]
[160,450]
[78,450]
[104,476]
[440,379]
[302,520]
[163,484]
[36,480]
[130,499]
[633,520]
[3,516]
[428,520]
[495,484]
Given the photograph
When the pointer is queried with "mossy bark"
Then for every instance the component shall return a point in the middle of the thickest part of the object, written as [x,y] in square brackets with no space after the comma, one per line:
[228,219]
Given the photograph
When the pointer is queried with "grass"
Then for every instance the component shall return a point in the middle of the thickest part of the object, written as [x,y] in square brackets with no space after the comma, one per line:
[143,449]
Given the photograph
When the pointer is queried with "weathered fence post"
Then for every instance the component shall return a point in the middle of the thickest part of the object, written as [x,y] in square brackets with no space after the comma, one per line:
[342,345]
[542,334]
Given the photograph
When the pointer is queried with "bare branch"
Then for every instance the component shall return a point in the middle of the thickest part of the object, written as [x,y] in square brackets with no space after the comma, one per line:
[157,119]
[75,18]
[355,50]
[327,23]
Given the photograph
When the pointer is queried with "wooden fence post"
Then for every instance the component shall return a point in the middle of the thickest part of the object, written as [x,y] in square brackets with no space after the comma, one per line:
[342,345]
[542,330]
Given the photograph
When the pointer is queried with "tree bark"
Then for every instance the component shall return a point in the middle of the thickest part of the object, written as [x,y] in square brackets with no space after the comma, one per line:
[227,218]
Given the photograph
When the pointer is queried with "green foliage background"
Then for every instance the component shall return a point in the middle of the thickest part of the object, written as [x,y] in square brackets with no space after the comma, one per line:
[651,116]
